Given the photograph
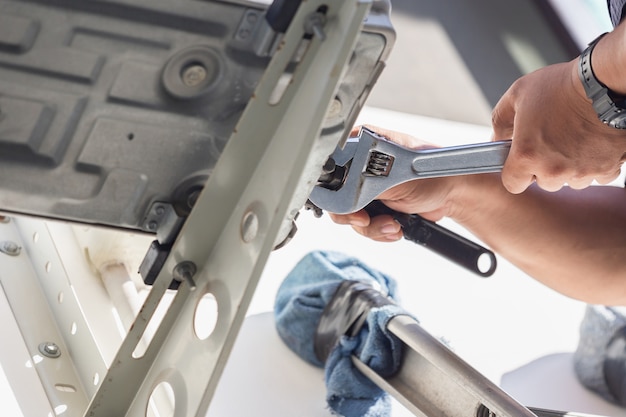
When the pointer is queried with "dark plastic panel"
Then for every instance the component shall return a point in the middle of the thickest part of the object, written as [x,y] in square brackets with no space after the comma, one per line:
[109,109]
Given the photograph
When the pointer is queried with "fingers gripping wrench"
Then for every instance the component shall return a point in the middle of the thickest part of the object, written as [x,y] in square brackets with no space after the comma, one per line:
[369,164]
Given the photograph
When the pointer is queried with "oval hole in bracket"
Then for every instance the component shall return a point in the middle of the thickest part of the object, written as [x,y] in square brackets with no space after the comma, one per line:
[205,316]
[65,387]
[163,395]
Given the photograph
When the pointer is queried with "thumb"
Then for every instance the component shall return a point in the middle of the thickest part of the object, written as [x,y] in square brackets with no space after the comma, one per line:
[503,118]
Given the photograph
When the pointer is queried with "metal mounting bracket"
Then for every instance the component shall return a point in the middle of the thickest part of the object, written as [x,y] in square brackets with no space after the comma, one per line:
[234,225]
[277,141]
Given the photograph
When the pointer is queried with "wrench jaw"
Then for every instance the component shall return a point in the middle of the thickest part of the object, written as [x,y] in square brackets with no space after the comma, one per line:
[368,161]
[351,163]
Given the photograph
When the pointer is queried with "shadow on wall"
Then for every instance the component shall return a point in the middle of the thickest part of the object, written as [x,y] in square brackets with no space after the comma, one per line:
[454,59]
[482,32]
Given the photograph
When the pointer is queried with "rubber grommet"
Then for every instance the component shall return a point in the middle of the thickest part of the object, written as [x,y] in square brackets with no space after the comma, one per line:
[192,73]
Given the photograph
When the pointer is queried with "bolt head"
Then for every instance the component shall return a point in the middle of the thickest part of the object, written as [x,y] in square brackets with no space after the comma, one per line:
[50,349]
[10,248]
[335,109]
[194,75]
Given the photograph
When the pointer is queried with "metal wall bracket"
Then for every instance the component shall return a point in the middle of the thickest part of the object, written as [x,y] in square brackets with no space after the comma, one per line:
[234,225]
[59,344]
[275,141]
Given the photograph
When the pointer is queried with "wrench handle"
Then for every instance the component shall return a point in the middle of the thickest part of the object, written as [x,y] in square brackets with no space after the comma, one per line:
[440,240]
[478,158]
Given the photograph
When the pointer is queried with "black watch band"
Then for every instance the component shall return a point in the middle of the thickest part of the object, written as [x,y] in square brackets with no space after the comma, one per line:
[608,105]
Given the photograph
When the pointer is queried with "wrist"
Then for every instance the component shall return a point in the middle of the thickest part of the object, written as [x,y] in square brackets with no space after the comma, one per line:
[468,193]
[608,103]
[481,202]
[608,60]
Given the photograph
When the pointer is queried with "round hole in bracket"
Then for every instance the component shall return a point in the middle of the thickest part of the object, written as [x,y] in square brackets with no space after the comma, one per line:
[161,393]
[205,317]
[48,266]
[73,328]
[35,237]
[60,297]
[96,378]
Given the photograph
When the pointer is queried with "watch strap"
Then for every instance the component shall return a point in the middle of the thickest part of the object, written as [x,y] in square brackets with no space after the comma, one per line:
[606,104]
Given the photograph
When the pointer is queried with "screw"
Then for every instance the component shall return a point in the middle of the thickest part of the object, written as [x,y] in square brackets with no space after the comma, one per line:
[50,349]
[184,272]
[152,225]
[315,24]
[329,166]
[251,18]
[10,248]
[244,33]
[335,109]
[194,75]
[249,226]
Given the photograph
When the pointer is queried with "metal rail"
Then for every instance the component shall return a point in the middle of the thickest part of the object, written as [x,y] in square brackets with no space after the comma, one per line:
[434,382]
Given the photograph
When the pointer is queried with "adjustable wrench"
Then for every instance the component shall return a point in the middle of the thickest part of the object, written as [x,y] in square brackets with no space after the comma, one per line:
[370,164]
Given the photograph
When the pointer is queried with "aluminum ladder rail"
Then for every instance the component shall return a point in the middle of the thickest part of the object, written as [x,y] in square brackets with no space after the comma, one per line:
[435,382]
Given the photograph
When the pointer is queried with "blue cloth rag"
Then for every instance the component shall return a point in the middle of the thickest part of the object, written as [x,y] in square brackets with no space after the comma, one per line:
[300,301]
[600,357]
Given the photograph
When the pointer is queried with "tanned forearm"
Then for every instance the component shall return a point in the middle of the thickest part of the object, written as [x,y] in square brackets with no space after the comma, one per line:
[571,241]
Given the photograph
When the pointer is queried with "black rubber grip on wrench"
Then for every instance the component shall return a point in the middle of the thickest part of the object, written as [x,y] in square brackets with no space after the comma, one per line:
[446,243]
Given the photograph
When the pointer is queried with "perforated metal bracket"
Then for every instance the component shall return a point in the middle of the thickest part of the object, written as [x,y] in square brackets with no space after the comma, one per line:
[286,148]
[295,117]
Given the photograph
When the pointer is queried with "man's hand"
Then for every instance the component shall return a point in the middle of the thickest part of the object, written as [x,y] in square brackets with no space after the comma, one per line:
[557,137]
[431,198]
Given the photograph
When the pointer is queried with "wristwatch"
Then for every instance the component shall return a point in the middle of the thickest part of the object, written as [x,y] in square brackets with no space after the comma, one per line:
[610,107]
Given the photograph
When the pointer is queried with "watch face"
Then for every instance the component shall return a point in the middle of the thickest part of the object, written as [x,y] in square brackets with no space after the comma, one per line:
[618,121]
[610,109]
[616,118]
